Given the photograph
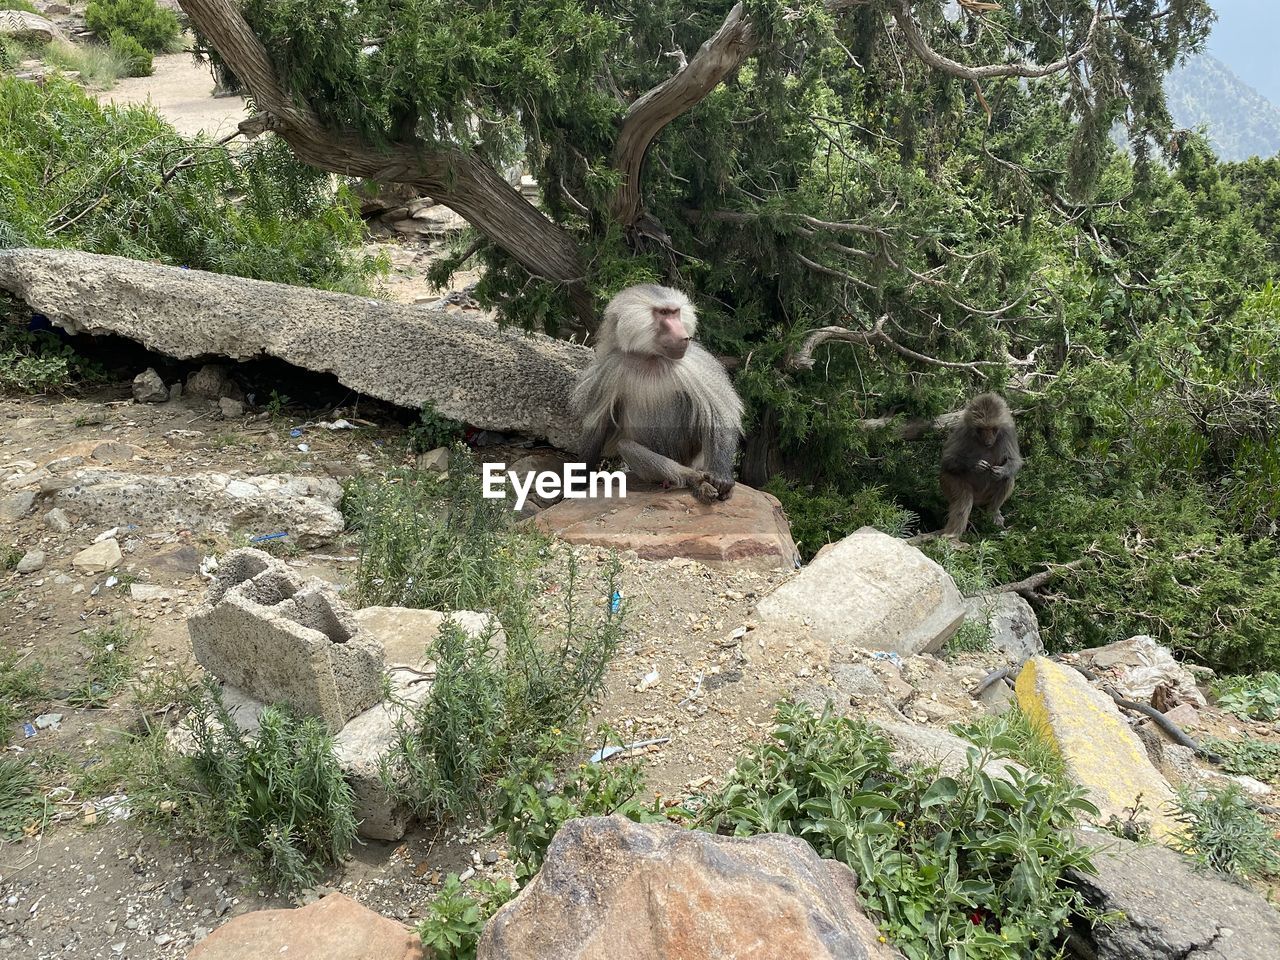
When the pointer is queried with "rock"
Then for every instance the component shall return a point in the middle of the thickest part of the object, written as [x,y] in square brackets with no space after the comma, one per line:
[98,558]
[870,591]
[151,591]
[748,530]
[179,561]
[333,928]
[20,25]
[148,387]
[917,745]
[212,382]
[1100,751]
[307,507]
[175,390]
[57,520]
[231,409]
[17,505]
[465,366]
[56,10]
[545,462]
[1137,666]
[611,888]
[31,561]
[437,460]
[281,639]
[112,452]
[1185,716]
[404,633]
[1011,621]
[1165,908]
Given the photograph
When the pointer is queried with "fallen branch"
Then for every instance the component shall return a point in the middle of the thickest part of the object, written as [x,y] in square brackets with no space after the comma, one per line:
[1026,588]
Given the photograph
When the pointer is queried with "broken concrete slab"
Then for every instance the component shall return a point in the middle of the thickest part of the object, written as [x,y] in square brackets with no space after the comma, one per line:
[406,633]
[748,530]
[305,507]
[99,557]
[465,367]
[282,639]
[1101,752]
[870,591]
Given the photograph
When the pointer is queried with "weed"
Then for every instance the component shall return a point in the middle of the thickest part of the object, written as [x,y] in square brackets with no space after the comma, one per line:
[1013,735]
[432,430]
[1250,697]
[967,866]
[20,801]
[1226,833]
[277,403]
[98,65]
[108,667]
[36,362]
[9,557]
[1252,758]
[456,918]
[20,689]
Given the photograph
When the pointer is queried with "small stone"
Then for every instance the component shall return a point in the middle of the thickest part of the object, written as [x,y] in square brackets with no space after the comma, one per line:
[112,451]
[31,561]
[437,460]
[57,520]
[148,387]
[231,409]
[98,558]
[175,390]
[17,505]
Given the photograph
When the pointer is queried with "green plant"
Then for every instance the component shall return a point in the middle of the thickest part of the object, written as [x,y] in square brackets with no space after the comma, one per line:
[456,917]
[24,5]
[962,867]
[98,64]
[1012,734]
[107,667]
[1226,833]
[20,689]
[1250,697]
[38,361]
[1253,758]
[277,403]
[153,27]
[21,803]
[436,544]
[276,795]
[138,59]
[494,713]
[9,557]
[433,430]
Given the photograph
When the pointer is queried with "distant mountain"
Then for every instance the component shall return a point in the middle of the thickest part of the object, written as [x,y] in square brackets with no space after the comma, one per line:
[1241,123]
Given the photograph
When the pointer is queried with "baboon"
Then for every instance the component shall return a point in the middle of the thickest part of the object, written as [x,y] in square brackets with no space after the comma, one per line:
[979,462]
[658,399]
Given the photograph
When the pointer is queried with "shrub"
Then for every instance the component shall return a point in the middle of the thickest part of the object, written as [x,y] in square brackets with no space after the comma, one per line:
[1226,833]
[136,58]
[38,361]
[966,866]
[24,5]
[153,27]
[1250,697]
[456,917]
[98,65]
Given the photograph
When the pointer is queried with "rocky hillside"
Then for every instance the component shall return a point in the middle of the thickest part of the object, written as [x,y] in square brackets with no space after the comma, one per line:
[1204,92]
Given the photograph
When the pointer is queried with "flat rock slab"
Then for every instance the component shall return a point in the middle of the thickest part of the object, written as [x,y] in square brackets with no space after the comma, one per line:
[306,508]
[98,558]
[869,591]
[334,928]
[747,530]
[1172,910]
[610,888]
[405,633]
[1100,750]
[466,368]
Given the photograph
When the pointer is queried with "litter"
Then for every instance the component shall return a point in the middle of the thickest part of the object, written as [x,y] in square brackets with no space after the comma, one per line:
[264,537]
[337,425]
[615,601]
[650,679]
[305,448]
[605,753]
[295,432]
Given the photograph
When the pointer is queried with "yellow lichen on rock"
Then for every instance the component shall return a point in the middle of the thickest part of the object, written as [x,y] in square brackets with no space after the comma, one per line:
[1101,752]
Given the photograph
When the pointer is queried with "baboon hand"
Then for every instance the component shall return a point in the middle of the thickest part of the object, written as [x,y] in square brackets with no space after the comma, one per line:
[1000,471]
[724,487]
[984,465]
[704,488]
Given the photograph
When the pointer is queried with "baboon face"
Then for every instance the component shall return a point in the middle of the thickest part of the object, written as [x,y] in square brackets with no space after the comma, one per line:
[988,435]
[671,337]
[653,320]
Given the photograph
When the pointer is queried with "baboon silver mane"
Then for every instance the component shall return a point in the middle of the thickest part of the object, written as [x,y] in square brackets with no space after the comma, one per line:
[979,462]
[655,397]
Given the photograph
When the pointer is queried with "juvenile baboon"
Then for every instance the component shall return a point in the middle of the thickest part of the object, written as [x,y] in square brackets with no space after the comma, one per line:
[656,398]
[979,461]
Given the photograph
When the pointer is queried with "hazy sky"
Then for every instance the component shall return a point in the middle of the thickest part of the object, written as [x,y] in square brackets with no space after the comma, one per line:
[1246,38]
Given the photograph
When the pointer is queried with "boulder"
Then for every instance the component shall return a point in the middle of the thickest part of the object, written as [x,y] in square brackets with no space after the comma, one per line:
[465,367]
[213,382]
[282,639]
[870,591]
[20,25]
[333,928]
[57,521]
[31,561]
[611,888]
[98,558]
[1165,908]
[304,507]
[17,505]
[231,409]
[1011,621]
[1101,752]
[747,530]
[148,387]
[436,461]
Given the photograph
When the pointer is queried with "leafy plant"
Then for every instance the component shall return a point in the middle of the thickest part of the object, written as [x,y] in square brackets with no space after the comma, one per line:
[1253,758]
[137,58]
[1226,833]
[153,27]
[39,361]
[456,917]
[1250,697]
[963,867]
[433,430]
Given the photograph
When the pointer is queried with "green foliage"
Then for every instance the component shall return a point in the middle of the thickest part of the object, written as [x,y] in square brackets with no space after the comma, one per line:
[819,518]
[432,430]
[119,180]
[966,867]
[436,543]
[1226,833]
[276,796]
[456,917]
[38,362]
[107,667]
[25,5]
[98,65]
[153,27]
[20,690]
[1250,696]
[1012,734]
[501,710]
[1253,758]
[137,58]
[20,800]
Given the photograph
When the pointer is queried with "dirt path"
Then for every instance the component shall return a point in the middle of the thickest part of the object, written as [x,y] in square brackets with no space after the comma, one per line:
[181,91]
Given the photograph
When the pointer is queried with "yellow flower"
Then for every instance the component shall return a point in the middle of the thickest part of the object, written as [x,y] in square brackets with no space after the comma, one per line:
[901,824]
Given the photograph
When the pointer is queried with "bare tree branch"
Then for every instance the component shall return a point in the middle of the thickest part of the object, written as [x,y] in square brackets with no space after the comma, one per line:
[1028,586]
